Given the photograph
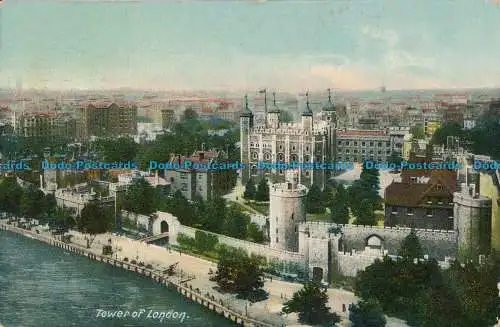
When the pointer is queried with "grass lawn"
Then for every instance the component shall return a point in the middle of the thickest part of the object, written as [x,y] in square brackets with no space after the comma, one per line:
[262,207]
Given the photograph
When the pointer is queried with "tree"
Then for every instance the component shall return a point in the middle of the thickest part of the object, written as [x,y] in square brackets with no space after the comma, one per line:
[239,273]
[395,158]
[250,190]
[310,303]
[262,191]
[314,200]
[205,242]
[10,195]
[340,206]
[440,136]
[94,220]
[367,313]
[141,198]
[32,202]
[410,247]
[61,220]
[366,214]
[418,131]
[236,223]
[254,233]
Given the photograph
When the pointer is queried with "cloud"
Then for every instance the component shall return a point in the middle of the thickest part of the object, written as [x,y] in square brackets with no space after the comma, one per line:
[386,35]
[395,59]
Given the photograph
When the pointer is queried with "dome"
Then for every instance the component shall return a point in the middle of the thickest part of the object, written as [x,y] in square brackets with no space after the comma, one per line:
[274,109]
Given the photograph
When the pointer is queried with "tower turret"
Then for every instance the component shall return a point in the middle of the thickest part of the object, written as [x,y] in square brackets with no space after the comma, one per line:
[286,213]
[329,110]
[273,115]
[307,115]
[246,123]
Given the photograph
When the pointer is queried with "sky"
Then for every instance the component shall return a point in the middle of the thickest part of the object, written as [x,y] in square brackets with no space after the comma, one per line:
[235,45]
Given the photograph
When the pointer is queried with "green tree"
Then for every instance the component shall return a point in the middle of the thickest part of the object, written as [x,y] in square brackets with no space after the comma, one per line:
[262,193]
[255,234]
[314,200]
[311,304]
[61,220]
[440,136]
[417,131]
[94,220]
[250,190]
[367,313]
[410,247]
[340,206]
[236,223]
[10,195]
[239,273]
[32,202]
[141,198]
[205,242]
[395,158]
[366,214]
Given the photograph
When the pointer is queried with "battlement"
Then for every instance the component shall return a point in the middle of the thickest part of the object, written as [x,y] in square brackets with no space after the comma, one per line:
[288,190]
[443,231]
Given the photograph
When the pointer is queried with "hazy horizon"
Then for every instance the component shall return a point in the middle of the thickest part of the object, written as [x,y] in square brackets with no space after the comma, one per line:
[241,46]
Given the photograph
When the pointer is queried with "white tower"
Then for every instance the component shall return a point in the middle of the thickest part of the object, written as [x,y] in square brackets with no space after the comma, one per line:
[287,210]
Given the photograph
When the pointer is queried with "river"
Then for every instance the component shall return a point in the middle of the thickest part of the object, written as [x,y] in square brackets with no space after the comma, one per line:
[43,286]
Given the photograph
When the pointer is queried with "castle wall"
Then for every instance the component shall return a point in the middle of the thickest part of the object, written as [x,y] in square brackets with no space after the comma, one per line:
[175,228]
[489,189]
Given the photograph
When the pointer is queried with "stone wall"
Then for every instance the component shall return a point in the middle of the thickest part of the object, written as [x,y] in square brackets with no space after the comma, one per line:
[436,243]
[175,228]
[140,221]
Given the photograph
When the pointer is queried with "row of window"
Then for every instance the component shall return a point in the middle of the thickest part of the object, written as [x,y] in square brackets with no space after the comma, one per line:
[281,157]
[280,147]
[363,143]
[356,159]
[411,211]
[347,151]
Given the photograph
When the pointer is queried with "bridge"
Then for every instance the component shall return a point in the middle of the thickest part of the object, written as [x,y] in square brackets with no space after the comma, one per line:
[154,238]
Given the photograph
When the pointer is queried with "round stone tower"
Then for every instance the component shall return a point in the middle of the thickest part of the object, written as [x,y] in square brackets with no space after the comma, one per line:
[286,211]
[472,222]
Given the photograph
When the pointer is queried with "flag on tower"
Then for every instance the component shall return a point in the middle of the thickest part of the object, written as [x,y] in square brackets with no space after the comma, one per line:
[262,91]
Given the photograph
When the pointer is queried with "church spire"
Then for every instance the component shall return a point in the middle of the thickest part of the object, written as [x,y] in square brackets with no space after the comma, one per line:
[308,111]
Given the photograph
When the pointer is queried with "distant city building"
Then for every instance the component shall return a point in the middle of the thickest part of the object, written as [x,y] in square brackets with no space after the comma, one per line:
[106,119]
[42,124]
[147,132]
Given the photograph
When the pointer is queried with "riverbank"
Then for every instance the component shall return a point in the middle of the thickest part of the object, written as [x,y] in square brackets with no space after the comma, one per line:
[172,282]
[195,272]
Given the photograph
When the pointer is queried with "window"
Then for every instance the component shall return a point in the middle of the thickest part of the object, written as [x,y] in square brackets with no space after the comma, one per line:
[355,143]
[294,157]
[307,158]
[293,148]
[379,144]
[347,151]
[380,152]
[281,157]
[339,142]
[276,231]
[363,151]
[371,143]
[307,148]
[280,171]
[292,215]
[355,151]
[295,229]
[410,211]
[267,156]
[439,187]
[254,155]
[281,147]
[450,213]
[307,173]
[277,240]
[363,143]
[394,210]
[347,143]
[428,212]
